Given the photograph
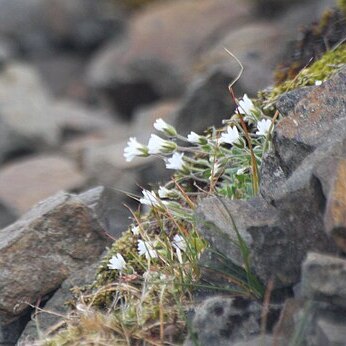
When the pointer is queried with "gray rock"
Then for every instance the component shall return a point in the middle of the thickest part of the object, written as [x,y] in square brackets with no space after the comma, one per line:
[216,216]
[272,176]
[7,215]
[9,333]
[39,251]
[222,320]
[202,108]
[286,233]
[324,278]
[261,340]
[56,308]
[288,101]
[310,123]
[108,208]
[25,125]
[331,333]
[311,323]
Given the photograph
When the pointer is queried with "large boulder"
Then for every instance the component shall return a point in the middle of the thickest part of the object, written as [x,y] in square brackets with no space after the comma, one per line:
[60,235]
[310,121]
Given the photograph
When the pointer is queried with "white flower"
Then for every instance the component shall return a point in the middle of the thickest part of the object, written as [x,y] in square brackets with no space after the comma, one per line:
[135,230]
[241,171]
[158,145]
[179,242]
[318,82]
[175,162]
[117,262]
[195,138]
[245,106]
[162,126]
[133,149]
[146,248]
[180,245]
[263,127]
[163,192]
[149,198]
[231,136]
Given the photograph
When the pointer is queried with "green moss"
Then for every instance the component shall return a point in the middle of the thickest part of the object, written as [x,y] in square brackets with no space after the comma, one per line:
[320,70]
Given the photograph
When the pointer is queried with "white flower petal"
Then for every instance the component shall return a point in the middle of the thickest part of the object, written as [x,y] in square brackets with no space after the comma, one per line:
[135,230]
[163,192]
[133,149]
[146,248]
[117,262]
[245,105]
[158,145]
[263,127]
[179,242]
[193,137]
[149,198]
[161,125]
[175,162]
[231,136]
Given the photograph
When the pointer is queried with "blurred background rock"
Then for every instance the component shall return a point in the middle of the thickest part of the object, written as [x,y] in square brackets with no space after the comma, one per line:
[77,77]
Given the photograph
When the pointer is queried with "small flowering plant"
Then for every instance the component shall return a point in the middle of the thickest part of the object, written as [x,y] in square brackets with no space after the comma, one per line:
[225,161]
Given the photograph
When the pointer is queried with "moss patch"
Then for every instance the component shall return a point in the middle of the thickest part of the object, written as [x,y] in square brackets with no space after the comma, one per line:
[320,70]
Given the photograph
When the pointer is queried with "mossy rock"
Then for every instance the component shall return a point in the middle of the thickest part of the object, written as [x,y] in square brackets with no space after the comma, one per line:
[316,40]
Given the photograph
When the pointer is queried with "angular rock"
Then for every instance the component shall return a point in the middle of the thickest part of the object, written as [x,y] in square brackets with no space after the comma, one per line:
[324,278]
[38,252]
[27,181]
[216,216]
[150,66]
[310,123]
[330,333]
[335,214]
[222,320]
[272,176]
[108,208]
[286,234]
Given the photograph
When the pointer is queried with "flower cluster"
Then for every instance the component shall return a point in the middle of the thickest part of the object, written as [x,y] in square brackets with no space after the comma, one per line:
[148,249]
[215,158]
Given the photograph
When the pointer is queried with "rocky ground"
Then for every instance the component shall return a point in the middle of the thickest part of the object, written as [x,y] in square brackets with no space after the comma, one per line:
[77,78]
